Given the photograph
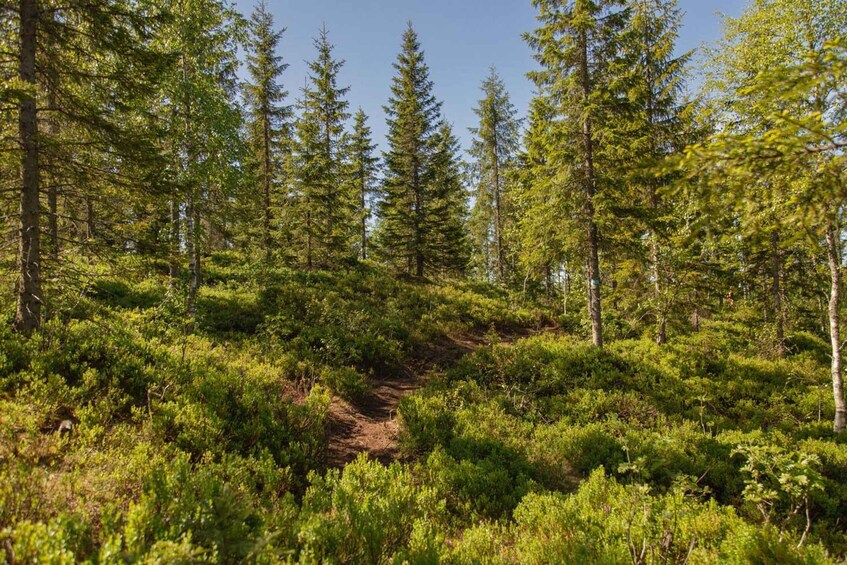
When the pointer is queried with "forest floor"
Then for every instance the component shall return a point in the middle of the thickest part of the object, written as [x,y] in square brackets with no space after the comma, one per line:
[369,424]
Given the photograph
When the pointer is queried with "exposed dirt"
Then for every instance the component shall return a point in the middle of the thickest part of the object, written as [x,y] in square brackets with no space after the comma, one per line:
[370,424]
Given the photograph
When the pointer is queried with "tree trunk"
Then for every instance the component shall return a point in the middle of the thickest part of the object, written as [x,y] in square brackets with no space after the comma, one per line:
[363,190]
[193,248]
[53,190]
[661,317]
[268,243]
[658,283]
[308,238]
[28,314]
[498,212]
[173,243]
[655,258]
[833,244]
[592,236]
[419,220]
[90,231]
[776,294]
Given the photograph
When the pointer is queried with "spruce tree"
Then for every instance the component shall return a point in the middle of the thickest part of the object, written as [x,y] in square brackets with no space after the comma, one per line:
[445,229]
[413,118]
[203,140]
[82,72]
[495,143]
[364,166]
[578,48]
[540,234]
[268,127]
[659,121]
[324,191]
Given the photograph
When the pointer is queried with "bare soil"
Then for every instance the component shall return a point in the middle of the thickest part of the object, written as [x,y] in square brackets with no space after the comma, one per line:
[369,424]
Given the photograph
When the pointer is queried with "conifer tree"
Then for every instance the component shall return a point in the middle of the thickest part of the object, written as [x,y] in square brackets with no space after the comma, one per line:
[324,191]
[539,200]
[81,67]
[659,120]
[405,228]
[578,48]
[269,135]
[495,143]
[445,229]
[364,166]
[203,142]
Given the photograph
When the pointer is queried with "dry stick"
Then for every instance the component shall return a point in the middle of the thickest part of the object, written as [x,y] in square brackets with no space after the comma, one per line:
[808,522]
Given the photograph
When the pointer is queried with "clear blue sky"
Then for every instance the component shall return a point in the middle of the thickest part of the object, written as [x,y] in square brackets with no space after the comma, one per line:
[461,39]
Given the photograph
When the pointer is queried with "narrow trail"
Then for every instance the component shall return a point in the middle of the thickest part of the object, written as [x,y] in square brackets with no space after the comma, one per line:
[369,425]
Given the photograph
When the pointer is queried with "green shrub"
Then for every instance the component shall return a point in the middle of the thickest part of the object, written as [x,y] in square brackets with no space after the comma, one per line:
[569,453]
[366,514]
[121,294]
[478,479]
[605,522]
[62,541]
[223,311]
[345,381]
[427,421]
[183,502]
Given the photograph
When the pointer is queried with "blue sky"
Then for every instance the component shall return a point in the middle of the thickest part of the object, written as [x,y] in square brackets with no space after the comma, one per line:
[461,38]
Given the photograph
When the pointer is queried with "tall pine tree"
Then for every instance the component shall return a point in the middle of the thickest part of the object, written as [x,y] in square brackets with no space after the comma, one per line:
[83,73]
[578,48]
[447,214]
[660,120]
[324,191]
[269,127]
[364,166]
[539,200]
[413,227]
[495,144]
[204,141]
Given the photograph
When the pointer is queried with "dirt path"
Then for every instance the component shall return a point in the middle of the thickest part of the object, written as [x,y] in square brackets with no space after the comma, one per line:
[370,424]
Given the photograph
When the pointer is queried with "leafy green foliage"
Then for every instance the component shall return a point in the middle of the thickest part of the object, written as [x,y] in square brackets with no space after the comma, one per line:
[679,423]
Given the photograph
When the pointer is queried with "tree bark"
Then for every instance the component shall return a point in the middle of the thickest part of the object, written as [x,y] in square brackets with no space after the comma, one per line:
[419,220]
[589,180]
[173,236]
[498,212]
[661,317]
[833,244]
[193,248]
[29,300]
[268,216]
[655,258]
[364,190]
[53,190]
[776,294]
[308,238]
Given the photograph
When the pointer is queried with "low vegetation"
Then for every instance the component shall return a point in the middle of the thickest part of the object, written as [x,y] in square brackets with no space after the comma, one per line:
[241,324]
[211,446]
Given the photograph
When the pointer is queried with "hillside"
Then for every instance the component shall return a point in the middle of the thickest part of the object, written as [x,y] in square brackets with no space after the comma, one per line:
[220,445]
[585,309]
